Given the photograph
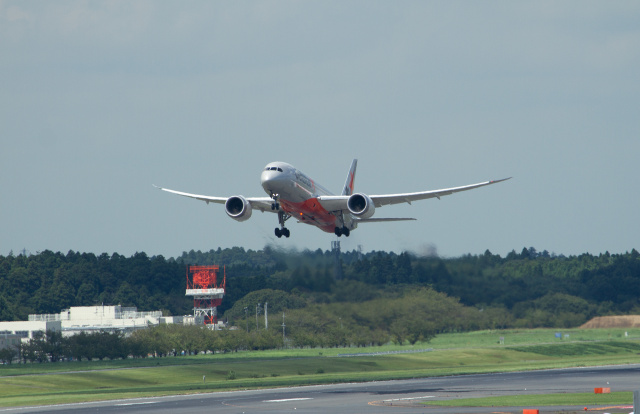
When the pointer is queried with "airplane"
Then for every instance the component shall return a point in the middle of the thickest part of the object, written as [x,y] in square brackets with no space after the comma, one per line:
[292,194]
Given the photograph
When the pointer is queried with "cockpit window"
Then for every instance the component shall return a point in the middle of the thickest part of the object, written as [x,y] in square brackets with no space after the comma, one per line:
[279,169]
[274,169]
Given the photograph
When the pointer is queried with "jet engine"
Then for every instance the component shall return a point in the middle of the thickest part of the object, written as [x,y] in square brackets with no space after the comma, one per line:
[361,205]
[238,208]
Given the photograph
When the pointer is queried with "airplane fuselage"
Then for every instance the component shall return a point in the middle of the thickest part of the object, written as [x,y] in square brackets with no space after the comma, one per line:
[297,195]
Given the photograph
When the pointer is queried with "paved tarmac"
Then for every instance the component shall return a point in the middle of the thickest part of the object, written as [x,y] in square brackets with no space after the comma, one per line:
[389,397]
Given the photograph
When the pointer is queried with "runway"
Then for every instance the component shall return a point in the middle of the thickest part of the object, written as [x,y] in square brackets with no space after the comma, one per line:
[395,397]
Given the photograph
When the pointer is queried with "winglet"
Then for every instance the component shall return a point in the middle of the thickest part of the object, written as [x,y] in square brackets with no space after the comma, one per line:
[499,181]
[348,185]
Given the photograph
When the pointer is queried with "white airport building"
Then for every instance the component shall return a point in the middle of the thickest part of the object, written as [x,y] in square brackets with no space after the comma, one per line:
[25,330]
[10,341]
[91,319]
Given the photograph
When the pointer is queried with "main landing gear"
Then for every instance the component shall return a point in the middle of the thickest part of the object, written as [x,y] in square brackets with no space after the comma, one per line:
[344,230]
[282,230]
[339,231]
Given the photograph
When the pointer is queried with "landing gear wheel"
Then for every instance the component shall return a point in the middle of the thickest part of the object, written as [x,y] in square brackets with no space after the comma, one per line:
[279,232]
[339,231]
[275,206]
[282,217]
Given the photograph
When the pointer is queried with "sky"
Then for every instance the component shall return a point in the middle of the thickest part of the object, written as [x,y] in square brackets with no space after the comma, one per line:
[101,99]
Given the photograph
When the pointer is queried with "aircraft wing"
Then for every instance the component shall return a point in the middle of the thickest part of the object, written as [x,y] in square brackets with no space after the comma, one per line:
[335,203]
[386,199]
[260,203]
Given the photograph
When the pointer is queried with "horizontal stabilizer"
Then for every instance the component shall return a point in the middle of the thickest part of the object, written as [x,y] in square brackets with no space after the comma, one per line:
[373,220]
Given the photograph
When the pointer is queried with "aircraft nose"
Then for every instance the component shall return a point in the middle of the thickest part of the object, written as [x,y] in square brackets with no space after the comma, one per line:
[270,180]
[266,177]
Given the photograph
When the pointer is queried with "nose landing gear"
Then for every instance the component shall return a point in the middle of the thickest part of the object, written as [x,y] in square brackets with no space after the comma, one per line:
[275,206]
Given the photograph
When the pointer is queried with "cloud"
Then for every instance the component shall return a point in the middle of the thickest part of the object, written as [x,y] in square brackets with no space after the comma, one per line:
[14,14]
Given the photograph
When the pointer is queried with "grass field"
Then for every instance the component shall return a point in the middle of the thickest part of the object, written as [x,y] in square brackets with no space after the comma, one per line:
[475,352]
[536,400]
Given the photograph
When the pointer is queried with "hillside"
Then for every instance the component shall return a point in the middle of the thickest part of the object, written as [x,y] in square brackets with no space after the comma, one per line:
[622,321]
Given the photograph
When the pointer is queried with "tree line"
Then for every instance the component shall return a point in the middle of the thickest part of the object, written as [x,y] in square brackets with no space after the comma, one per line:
[525,289]
[159,341]
[409,317]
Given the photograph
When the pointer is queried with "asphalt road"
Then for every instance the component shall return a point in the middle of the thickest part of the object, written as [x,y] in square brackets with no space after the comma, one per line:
[396,397]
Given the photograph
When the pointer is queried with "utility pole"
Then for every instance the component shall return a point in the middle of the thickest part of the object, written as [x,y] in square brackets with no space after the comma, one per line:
[337,267]
[266,321]
[257,313]
[283,325]
[246,317]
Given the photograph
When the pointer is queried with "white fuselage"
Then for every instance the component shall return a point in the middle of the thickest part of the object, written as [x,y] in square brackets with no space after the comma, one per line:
[297,194]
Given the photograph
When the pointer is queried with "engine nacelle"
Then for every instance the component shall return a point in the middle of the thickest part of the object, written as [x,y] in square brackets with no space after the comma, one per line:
[361,205]
[238,208]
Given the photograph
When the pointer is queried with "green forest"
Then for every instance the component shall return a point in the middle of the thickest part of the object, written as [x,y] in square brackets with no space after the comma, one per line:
[372,294]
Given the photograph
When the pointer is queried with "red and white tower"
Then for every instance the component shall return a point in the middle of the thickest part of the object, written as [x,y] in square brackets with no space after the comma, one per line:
[202,284]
